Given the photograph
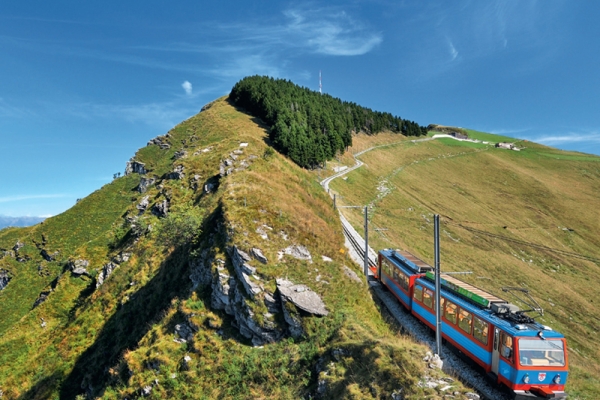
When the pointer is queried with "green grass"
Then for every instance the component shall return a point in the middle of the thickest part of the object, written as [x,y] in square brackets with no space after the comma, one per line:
[119,338]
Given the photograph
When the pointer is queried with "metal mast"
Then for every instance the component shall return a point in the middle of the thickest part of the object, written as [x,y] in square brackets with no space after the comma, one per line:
[320,84]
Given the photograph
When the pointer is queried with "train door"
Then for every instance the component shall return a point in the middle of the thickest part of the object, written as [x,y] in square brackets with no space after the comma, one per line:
[496,351]
[379,261]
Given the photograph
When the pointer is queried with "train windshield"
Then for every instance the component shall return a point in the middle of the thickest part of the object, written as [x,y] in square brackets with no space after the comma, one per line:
[537,352]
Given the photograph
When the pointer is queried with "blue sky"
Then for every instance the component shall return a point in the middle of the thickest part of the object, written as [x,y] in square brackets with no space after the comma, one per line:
[83,85]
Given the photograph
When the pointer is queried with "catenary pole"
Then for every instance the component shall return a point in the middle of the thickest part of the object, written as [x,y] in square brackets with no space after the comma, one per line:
[438,308]
[366,243]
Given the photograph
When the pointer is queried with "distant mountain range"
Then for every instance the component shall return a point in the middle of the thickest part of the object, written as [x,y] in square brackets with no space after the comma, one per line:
[19,221]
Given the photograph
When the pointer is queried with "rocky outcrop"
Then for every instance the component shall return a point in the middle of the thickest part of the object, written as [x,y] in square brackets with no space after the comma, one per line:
[135,167]
[180,154]
[4,278]
[239,291]
[160,141]
[257,253]
[184,332]
[177,173]
[42,297]
[302,297]
[18,246]
[78,267]
[143,204]
[244,271]
[47,256]
[299,252]
[145,183]
[161,209]
[106,270]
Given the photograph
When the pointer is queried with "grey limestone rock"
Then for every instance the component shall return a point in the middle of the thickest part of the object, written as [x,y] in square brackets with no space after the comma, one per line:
[177,173]
[143,204]
[351,274]
[78,267]
[299,252]
[180,154]
[161,209]
[160,141]
[302,297]
[106,270]
[135,167]
[243,272]
[145,183]
[258,254]
[4,278]
[18,246]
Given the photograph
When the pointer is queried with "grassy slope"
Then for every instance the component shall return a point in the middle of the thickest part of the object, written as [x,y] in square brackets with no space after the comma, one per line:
[113,341]
[538,195]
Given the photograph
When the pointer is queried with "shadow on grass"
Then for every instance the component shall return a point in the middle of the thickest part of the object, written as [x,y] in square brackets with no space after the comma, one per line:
[131,322]
[44,388]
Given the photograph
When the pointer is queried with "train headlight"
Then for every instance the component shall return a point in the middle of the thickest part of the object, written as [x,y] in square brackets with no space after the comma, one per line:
[526,378]
[556,379]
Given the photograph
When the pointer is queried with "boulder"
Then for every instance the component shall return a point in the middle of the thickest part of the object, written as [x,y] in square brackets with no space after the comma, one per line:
[298,252]
[4,278]
[121,258]
[302,297]
[78,267]
[145,183]
[106,270]
[160,141]
[177,173]
[351,274]
[161,209]
[135,167]
[18,246]
[184,332]
[257,253]
[143,204]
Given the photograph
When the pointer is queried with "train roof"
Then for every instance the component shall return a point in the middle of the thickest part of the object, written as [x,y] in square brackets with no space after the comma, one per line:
[407,260]
[486,313]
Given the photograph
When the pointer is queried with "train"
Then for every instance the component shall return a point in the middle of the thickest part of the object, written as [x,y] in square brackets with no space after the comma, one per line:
[528,358]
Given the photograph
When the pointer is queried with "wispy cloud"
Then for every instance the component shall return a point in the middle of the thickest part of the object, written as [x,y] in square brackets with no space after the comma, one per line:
[8,199]
[187,86]
[9,111]
[452,50]
[572,137]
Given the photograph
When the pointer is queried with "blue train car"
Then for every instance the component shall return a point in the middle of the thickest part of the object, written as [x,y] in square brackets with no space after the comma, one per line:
[527,357]
[398,271]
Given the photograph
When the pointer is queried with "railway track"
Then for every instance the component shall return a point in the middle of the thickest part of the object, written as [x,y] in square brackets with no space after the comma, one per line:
[453,363]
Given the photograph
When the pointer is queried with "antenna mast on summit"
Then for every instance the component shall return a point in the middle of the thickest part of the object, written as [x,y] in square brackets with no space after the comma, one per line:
[320,84]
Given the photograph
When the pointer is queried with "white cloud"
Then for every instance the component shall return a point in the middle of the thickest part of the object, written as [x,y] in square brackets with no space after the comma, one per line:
[187,86]
[572,137]
[452,50]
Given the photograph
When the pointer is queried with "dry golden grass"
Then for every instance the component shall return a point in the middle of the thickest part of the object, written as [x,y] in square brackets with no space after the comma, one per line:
[539,195]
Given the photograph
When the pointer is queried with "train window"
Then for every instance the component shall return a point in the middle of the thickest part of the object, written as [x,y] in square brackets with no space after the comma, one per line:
[450,312]
[480,330]
[534,351]
[506,346]
[418,294]
[401,279]
[428,298]
[385,266]
[465,320]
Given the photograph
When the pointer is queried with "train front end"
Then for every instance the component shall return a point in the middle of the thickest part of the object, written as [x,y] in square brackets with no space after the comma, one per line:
[540,366]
